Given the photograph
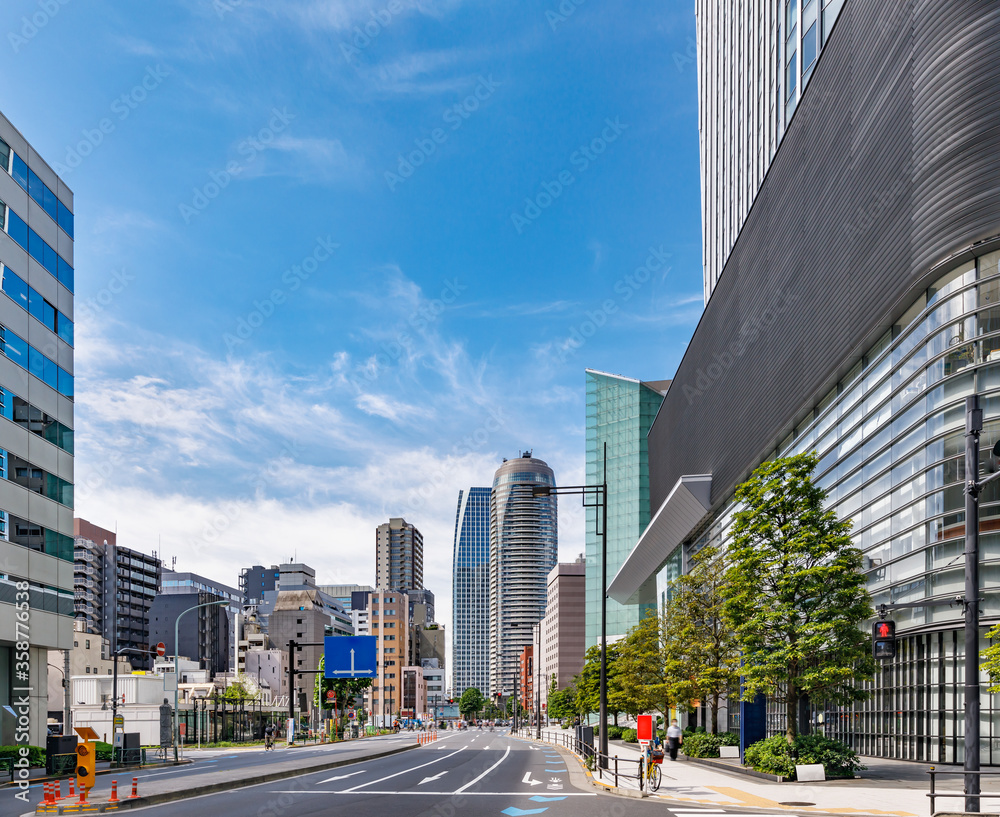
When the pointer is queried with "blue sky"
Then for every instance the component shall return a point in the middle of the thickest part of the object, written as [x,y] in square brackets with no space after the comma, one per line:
[335,259]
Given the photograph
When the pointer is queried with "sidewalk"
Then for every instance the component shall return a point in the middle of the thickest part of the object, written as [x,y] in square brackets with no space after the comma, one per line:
[888,787]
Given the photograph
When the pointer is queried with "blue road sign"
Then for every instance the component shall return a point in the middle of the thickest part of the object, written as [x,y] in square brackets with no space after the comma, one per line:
[349,656]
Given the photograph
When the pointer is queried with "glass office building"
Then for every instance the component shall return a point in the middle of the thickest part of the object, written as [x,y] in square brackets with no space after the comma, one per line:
[36,422]
[620,411]
[470,589]
[856,310]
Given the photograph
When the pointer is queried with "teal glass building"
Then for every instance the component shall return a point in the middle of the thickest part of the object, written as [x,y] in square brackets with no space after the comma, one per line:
[620,411]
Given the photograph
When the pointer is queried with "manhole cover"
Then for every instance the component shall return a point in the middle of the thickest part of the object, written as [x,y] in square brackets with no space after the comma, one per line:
[796,803]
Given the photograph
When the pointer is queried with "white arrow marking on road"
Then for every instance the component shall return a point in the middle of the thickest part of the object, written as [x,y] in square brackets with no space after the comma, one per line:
[428,779]
[339,777]
[529,781]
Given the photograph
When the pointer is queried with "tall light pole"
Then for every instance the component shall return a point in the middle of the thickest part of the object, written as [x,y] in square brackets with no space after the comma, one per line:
[177,674]
[600,500]
[973,487]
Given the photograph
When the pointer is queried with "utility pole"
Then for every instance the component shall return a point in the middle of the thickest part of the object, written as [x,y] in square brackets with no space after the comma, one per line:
[291,683]
[973,428]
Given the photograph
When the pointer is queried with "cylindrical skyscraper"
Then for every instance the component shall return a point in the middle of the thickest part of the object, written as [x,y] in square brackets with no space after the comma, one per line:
[523,549]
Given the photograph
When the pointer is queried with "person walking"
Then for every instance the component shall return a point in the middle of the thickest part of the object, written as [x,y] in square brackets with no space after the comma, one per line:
[675,737]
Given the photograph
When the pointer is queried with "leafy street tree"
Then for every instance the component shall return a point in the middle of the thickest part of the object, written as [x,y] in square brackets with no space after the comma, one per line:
[562,702]
[588,685]
[796,592]
[471,703]
[646,681]
[698,643]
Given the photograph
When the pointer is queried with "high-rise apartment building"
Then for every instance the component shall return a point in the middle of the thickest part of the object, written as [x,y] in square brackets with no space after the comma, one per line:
[115,588]
[524,544]
[563,632]
[620,411]
[399,556]
[388,619]
[36,416]
[755,61]
[855,312]
[470,593]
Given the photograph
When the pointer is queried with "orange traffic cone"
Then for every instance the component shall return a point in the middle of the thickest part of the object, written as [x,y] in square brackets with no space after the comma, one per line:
[114,792]
[135,789]
[57,790]
[72,787]
[83,794]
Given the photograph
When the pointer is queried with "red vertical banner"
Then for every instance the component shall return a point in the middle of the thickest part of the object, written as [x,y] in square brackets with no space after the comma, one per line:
[645,727]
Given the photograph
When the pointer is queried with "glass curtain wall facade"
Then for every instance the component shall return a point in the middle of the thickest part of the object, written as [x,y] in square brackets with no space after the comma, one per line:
[619,412]
[524,546]
[776,42]
[890,437]
[36,422]
[470,583]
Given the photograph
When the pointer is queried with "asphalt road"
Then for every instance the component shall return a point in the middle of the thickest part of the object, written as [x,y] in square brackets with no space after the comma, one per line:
[209,762]
[467,773]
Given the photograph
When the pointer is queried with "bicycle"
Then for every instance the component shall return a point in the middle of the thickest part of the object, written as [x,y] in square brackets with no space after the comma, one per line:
[652,774]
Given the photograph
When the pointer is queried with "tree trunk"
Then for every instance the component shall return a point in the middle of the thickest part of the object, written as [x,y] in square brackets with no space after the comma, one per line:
[792,715]
[715,714]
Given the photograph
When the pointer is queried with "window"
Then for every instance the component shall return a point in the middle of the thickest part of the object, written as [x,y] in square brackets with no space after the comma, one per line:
[809,48]
[88,643]
[4,155]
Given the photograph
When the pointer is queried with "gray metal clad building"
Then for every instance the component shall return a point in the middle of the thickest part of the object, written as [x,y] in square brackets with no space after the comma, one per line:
[36,417]
[854,313]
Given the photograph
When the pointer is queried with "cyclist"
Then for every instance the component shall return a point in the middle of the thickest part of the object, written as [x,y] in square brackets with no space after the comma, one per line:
[269,738]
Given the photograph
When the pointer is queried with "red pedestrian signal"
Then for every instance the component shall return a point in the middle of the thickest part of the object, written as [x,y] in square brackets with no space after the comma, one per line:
[884,640]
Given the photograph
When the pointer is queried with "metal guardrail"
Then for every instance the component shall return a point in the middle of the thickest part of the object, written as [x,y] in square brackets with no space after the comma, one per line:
[612,764]
[934,794]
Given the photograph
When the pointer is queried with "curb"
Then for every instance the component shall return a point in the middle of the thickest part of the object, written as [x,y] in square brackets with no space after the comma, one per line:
[211,788]
[121,770]
[739,770]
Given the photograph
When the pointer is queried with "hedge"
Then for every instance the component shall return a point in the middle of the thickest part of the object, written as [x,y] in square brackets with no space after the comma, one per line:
[774,756]
[703,744]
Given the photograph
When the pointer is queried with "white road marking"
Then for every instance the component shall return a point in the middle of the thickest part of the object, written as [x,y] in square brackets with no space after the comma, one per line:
[490,769]
[530,782]
[437,793]
[435,777]
[405,771]
[340,777]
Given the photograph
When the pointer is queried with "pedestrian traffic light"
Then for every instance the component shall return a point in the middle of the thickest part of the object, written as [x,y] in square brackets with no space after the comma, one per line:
[884,640]
[86,757]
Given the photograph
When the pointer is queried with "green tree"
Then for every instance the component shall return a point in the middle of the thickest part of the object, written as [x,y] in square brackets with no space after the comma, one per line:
[471,703]
[239,690]
[588,687]
[562,702]
[796,592]
[647,680]
[698,642]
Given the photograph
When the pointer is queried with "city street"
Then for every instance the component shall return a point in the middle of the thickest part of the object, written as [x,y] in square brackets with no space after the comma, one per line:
[467,773]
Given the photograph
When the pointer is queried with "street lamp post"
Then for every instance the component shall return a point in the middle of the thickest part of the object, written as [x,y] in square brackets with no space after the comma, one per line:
[177,674]
[600,500]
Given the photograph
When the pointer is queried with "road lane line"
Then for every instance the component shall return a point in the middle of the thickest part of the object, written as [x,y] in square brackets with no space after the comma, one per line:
[490,769]
[405,771]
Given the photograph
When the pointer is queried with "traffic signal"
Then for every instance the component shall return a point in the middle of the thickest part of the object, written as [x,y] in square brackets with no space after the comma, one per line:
[86,763]
[884,640]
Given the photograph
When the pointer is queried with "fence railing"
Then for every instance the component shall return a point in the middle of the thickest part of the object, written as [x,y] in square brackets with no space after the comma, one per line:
[612,766]
[934,794]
